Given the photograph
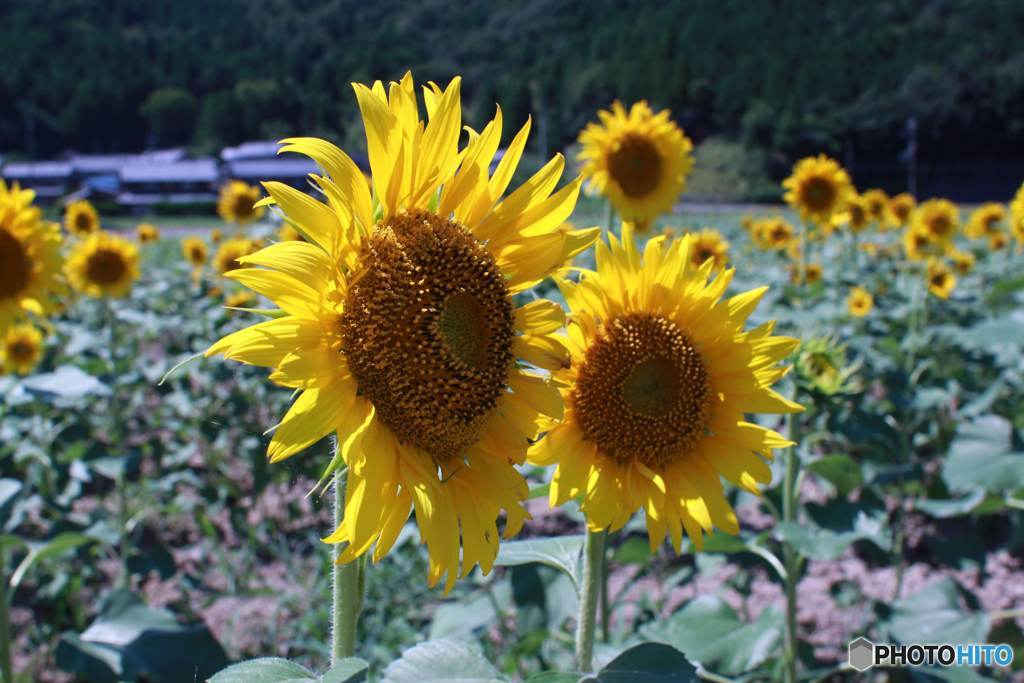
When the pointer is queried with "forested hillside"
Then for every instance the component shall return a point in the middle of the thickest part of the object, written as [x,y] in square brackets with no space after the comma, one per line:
[788,77]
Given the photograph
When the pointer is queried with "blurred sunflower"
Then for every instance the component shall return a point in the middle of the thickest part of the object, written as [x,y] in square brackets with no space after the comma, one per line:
[811,276]
[146,233]
[940,280]
[289,234]
[30,257]
[857,214]
[230,251]
[860,302]
[238,203]
[938,220]
[22,349]
[918,246]
[662,375]
[216,235]
[877,203]
[195,251]
[638,159]
[103,265]
[999,240]
[709,244]
[81,218]
[901,207]
[239,300]
[817,189]
[773,233]
[399,326]
[985,221]
[963,261]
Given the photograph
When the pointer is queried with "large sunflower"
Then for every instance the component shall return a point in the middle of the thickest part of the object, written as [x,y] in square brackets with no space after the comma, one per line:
[1016,219]
[239,203]
[103,265]
[638,159]
[81,218]
[938,220]
[30,257]
[662,374]
[21,349]
[399,326]
[817,189]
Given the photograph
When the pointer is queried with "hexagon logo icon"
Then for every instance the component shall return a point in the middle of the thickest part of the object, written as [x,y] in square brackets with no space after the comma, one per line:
[862,654]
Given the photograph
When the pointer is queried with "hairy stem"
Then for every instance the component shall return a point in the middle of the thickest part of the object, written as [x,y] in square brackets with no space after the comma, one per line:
[590,590]
[346,597]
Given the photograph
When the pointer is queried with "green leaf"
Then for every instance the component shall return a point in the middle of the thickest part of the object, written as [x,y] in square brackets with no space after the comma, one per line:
[264,670]
[66,382]
[58,545]
[649,663]
[708,631]
[842,471]
[955,507]
[348,670]
[554,677]
[560,552]
[9,490]
[980,456]
[443,660]
[837,524]
[938,613]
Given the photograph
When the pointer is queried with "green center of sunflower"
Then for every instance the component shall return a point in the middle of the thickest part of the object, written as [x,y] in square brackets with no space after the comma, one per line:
[635,165]
[642,392]
[427,331]
[818,193]
[15,266]
[105,267]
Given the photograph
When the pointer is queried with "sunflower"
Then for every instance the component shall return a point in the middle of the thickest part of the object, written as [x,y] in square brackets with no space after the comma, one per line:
[638,159]
[878,206]
[22,349]
[773,233]
[239,300]
[80,218]
[103,265]
[941,280]
[938,220]
[709,244]
[195,251]
[230,251]
[146,233]
[817,189]
[1016,217]
[30,257]
[901,207]
[238,203]
[998,241]
[812,274]
[399,328]
[985,221]
[963,261]
[918,246]
[857,216]
[216,235]
[660,378]
[860,302]
[289,234]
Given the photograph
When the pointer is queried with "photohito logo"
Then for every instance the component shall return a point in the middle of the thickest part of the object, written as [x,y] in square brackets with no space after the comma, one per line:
[863,654]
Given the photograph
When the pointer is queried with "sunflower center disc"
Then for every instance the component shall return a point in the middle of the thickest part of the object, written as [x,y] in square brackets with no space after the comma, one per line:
[20,352]
[428,330]
[643,391]
[635,166]
[819,193]
[15,268]
[83,222]
[105,267]
[243,205]
[939,226]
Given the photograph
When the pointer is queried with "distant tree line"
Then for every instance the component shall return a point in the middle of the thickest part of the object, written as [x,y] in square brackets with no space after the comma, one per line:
[786,77]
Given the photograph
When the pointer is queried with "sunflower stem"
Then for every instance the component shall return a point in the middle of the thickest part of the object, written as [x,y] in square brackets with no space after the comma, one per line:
[606,610]
[5,621]
[346,597]
[791,557]
[590,590]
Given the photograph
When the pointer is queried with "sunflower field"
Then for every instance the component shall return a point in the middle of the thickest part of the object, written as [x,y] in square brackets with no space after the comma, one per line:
[462,414]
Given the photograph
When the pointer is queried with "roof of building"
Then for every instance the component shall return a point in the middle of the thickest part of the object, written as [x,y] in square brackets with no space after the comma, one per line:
[191,170]
[36,169]
[270,169]
[256,149]
[150,198]
[112,163]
